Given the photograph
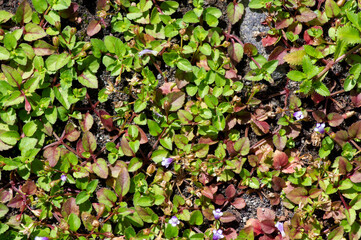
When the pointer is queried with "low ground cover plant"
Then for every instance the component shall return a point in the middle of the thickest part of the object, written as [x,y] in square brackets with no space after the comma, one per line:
[154,120]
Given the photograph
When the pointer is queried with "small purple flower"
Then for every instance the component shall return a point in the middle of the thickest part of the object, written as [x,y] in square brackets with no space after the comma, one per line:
[146,52]
[41,238]
[166,161]
[279,226]
[217,214]
[320,127]
[174,221]
[217,234]
[63,177]
[298,115]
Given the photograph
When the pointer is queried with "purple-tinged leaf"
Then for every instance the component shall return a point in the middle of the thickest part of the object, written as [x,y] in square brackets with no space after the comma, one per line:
[6,195]
[70,12]
[334,119]
[29,188]
[242,146]
[230,233]
[235,12]
[354,131]
[278,183]
[219,199]
[356,177]
[13,77]
[332,9]
[279,141]
[278,54]
[89,142]
[71,133]
[298,195]
[102,4]
[69,207]
[93,28]
[143,137]
[337,233]
[283,23]
[227,217]
[319,116]
[230,191]
[33,32]
[107,197]
[106,120]
[79,147]
[42,48]
[23,12]
[176,100]
[209,191]
[16,202]
[87,122]
[270,40]
[122,183]
[280,160]
[239,203]
[265,214]
[341,137]
[306,15]
[100,168]
[52,154]
[235,52]
[127,150]
[250,50]
[208,214]
[99,208]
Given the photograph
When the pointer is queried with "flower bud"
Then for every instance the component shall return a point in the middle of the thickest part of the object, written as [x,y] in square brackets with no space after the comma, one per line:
[151,169]
[55,41]
[82,54]
[87,46]
[58,25]
[182,31]
[95,223]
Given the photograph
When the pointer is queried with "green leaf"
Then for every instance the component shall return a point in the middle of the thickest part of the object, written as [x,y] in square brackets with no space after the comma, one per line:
[235,12]
[134,164]
[348,34]
[100,168]
[57,61]
[336,234]
[170,58]
[5,16]
[309,68]
[257,4]
[3,211]
[169,7]
[170,231]
[10,41]
[33,32]
[29,128]
[296,76]
[23,13]
[341,48]
[332,9]
[88,79]
[176,100]
[190,17]
[40,5]
[196,218]
[321,88]
[13,77]
[270,66]
[235,51]
[154,128]
[82,197]
[184,65]
[295,58]
[4,54]
[74,222]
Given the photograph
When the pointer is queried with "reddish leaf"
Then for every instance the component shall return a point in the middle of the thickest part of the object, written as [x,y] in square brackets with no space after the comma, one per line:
[265,214]
[239,203]
[87,122]
[70,12]
[230,233]
[278,54]
[235,52]
[176,100]
[250,49]
[230,148]
[230,191]
[334,119]
[280,159]
[263,126]
[341,137]
[268,226]
[79,147]
[242,146]
[93,28]
[122,183]
[42,48]
[274,199]
[52,154]
[283,23]
[69,207]
[16,202]
[204,178]
[71,133]
[89,142]
[227,217]
[278,183]
[306,15]
[354,131]
[356,177]
[143,136]
[298,195]
[319,116]
[269,40]
[100,168]
[279,141]
[102,4]
[356,98]
[255,225]
[127,150]
[106,120]
[209,191]
[29,187]
[169,87]
[6,195]
[253,160]
[317,98]
[219,199]
[208,213]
